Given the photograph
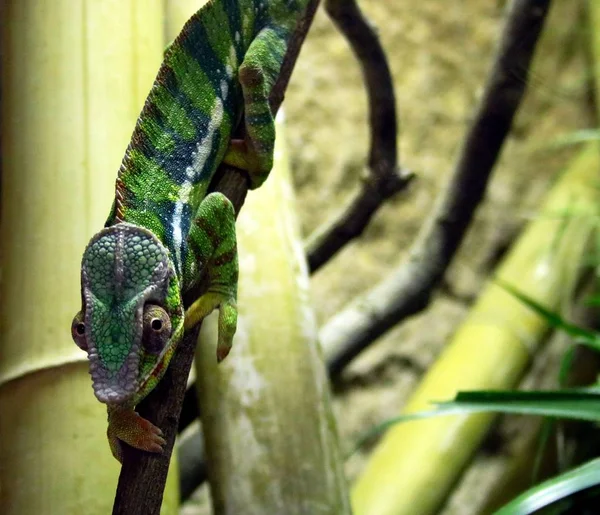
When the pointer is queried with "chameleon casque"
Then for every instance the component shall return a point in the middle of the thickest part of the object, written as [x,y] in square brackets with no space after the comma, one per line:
[164,230]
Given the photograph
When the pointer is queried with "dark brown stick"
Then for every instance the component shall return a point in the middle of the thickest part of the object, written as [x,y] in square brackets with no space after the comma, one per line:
[193,469]
[408,290]
[143,475]
[384,179]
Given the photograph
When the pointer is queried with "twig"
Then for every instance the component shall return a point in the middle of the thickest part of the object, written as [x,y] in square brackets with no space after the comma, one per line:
[291,56]
[143,475]
[408,290]
[384,179]
[193,470]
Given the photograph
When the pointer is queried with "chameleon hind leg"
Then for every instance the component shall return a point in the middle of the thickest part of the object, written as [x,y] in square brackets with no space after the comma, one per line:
[257,74]
[212,240]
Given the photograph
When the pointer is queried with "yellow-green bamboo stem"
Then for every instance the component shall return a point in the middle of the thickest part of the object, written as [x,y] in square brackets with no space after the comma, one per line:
[416,463]
[74,77]
[270,436]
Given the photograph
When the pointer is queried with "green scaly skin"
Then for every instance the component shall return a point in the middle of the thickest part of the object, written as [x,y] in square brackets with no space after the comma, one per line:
[164,230]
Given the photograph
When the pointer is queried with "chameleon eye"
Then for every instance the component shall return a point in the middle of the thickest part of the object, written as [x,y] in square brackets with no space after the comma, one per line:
[157,328]
[78,331]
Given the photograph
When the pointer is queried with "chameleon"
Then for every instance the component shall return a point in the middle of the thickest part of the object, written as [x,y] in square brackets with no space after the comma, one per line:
[165,231]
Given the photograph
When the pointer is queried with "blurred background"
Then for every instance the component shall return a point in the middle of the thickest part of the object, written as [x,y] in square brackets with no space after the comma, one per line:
[74,77]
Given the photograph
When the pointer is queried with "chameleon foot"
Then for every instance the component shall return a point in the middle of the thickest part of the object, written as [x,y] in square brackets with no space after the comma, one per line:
[241,156]
[227,318]
[125,425]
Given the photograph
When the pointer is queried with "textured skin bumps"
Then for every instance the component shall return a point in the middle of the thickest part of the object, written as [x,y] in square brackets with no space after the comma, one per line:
[124,267]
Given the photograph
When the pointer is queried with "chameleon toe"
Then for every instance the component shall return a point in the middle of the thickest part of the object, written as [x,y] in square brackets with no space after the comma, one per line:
[125,425]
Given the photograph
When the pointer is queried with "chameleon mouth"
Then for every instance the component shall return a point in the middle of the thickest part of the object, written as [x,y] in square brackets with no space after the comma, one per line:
[114,387]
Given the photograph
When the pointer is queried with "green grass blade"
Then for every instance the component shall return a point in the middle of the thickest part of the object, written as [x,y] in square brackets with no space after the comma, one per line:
[580,334]
[579,404]
[546,432]
[552,490]
[565,366]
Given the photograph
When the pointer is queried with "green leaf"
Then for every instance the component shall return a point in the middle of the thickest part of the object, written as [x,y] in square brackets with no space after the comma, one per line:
[552,490]
[580,334]
[579,404]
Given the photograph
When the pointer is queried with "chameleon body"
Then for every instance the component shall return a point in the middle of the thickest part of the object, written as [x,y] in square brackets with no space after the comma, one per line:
[164,230]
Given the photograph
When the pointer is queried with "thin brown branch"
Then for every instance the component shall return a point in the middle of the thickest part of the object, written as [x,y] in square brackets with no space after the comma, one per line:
[143,475]
[385,179]
[408,290]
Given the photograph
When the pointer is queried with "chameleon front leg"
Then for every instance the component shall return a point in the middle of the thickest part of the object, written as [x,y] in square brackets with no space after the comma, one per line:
[213,242]
[257,75]
[126,425]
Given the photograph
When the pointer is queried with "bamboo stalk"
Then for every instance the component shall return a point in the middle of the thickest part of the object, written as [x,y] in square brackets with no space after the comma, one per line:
[74,77]
[269,430]
[415,464]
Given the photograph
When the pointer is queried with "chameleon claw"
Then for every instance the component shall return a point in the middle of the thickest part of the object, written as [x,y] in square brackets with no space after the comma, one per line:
[116,448]
[240,156]
[156,446]
[222,351]
[156,430]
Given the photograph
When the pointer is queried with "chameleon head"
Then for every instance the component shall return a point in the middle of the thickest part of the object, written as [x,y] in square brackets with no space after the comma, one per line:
[132,314]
